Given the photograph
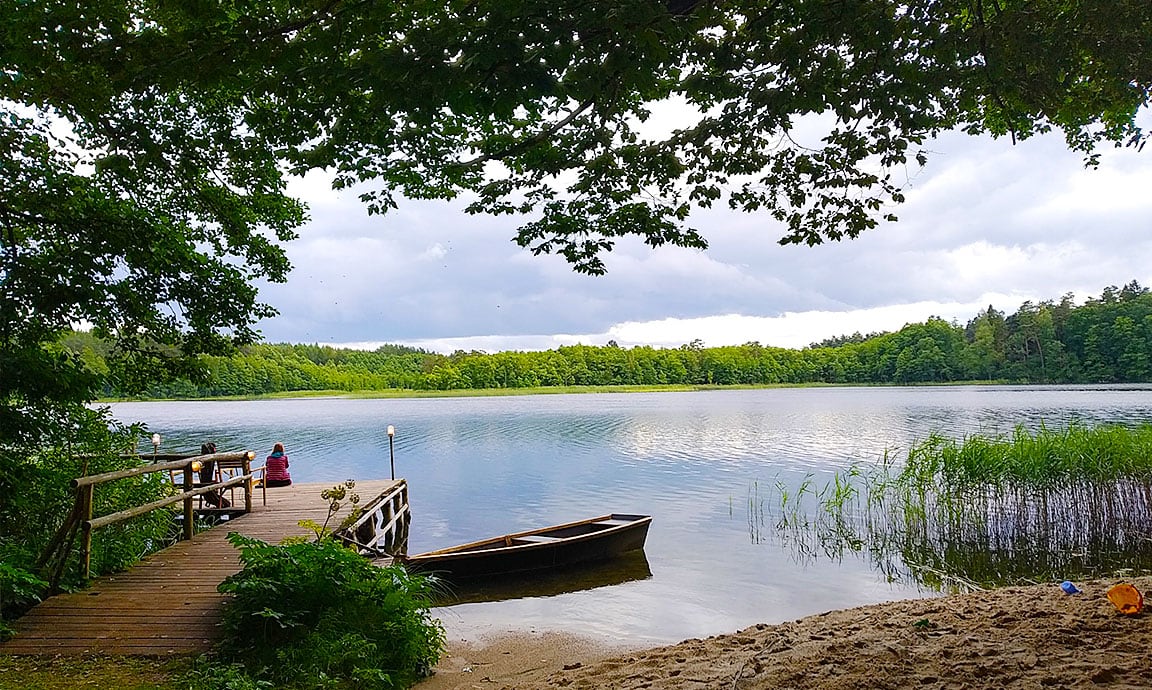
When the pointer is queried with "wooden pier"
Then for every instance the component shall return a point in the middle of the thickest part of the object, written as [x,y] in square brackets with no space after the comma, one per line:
[168,604]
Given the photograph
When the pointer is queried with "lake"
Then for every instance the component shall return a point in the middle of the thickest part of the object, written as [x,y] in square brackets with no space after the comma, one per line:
[700,463]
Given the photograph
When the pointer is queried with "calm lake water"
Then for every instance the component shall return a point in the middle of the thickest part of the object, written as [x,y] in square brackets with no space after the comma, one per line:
[697,462]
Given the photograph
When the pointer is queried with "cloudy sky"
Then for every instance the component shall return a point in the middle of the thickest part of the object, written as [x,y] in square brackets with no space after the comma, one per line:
[985,223]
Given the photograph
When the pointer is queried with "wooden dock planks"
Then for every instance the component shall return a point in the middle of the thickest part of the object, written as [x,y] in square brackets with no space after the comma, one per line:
[167,604]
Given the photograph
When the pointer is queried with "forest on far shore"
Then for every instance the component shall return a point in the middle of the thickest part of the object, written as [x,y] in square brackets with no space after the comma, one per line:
[1105,340]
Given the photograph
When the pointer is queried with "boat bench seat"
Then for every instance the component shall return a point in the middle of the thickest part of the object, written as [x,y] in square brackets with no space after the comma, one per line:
[537,538]
[612,523]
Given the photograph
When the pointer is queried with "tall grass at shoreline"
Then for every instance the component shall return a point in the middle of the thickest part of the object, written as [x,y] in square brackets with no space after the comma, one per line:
[985,511]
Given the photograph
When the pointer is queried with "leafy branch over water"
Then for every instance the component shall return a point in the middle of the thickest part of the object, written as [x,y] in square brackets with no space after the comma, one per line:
[981,511]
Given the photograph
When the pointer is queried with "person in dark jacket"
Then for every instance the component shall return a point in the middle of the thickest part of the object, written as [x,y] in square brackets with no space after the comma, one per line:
[208,476]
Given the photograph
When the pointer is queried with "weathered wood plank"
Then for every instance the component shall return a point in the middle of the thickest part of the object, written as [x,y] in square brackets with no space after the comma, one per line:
[167,647]
[167,604]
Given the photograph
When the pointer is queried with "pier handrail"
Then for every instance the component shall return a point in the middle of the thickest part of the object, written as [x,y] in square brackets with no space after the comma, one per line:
[382,528]
[113,518]
[81,517]
[136,471]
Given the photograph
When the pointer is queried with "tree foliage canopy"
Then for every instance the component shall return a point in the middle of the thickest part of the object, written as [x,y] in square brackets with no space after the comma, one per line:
[145,145]
[1105,340]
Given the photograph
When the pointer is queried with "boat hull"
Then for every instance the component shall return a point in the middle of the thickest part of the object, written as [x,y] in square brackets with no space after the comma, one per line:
[630,566]
[551,548]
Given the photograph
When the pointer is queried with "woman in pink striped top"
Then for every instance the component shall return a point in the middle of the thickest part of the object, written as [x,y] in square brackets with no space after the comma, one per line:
[276,467]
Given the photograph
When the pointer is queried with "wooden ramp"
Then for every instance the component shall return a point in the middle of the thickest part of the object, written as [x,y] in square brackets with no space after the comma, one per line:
[168,604]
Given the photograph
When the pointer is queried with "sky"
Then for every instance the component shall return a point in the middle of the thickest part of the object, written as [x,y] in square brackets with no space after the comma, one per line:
[986,223]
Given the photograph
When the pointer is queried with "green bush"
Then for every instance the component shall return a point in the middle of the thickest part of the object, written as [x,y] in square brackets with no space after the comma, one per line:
[19,589]
[319,615]
[207,674]
[36,497]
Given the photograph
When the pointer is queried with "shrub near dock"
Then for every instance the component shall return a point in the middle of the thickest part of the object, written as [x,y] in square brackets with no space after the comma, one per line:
[318,615]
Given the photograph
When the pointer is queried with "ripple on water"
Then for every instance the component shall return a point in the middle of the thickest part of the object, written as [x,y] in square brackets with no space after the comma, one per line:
[700,463]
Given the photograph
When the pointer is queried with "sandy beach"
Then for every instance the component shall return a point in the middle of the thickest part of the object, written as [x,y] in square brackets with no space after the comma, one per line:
[1018,637]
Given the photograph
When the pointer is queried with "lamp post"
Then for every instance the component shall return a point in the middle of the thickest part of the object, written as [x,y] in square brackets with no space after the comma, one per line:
[391,452]
[155,446]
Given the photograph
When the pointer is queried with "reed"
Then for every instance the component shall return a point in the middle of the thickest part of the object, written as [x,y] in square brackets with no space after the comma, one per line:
[1040,459]
[1033,505]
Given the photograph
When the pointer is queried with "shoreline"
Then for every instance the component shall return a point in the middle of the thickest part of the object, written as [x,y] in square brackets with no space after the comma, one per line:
[1016,637]
[1019,638]
[410,393]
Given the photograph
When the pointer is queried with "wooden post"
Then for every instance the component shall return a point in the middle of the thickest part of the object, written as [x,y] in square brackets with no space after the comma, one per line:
[248,484]
[62,555]
[189,514]
[57,541]
[85,498]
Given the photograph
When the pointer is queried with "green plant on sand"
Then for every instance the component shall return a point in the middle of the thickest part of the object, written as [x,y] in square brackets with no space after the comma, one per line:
[318,615]
[313,613]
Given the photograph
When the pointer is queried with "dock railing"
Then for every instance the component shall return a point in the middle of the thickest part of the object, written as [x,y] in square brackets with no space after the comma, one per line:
[81,518]
[382,528]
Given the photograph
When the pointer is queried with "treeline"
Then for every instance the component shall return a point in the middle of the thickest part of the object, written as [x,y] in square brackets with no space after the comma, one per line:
[1105,340]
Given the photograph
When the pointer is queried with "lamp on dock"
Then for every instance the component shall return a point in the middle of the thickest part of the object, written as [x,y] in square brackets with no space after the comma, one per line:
[155,446]
[391,452]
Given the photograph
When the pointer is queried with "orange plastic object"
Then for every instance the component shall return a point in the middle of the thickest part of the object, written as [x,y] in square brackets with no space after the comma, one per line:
[1127,599]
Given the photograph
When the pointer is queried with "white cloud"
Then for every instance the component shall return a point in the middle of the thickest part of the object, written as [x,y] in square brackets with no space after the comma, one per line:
[434,253]
[986,222]
[791,329]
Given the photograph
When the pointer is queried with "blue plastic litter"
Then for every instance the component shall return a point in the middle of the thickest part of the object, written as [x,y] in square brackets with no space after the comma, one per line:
[1069,588]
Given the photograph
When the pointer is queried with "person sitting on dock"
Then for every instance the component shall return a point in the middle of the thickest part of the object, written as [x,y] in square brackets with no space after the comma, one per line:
[208,476]
[276,467]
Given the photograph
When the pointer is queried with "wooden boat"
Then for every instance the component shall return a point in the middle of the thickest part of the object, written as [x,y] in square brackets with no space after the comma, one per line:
[630,566]
[584,541]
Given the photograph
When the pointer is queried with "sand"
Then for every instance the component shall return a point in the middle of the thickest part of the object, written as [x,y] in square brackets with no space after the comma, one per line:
[1018,637]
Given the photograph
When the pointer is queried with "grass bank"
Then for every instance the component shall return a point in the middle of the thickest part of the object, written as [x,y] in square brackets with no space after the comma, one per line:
[95,673]
[489,392]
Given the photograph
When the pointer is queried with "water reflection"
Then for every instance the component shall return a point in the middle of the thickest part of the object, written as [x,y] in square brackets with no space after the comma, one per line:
[946,540]
[483,466]
[627,567]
